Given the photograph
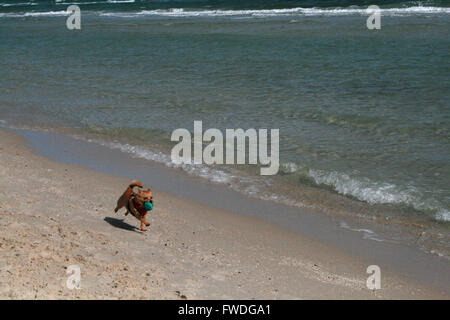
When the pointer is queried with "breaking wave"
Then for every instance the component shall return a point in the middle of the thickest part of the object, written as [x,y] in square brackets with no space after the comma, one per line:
[360,188]
[181,12]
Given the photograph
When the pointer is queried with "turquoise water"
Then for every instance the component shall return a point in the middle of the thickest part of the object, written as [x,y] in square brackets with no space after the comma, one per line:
[362,113]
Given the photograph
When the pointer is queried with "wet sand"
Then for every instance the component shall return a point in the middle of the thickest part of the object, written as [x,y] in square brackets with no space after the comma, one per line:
[55,214]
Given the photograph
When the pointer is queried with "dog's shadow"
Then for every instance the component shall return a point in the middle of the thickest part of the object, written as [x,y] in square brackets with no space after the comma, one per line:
[121,224]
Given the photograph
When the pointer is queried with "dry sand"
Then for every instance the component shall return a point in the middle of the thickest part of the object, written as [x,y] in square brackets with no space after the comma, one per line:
[53,215]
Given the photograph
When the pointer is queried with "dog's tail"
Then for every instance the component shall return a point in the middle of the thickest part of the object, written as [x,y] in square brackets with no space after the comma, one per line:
[126,195]
[136,183]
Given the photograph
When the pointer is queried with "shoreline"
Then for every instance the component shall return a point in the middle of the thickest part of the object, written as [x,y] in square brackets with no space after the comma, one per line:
[304,196]
[192,249]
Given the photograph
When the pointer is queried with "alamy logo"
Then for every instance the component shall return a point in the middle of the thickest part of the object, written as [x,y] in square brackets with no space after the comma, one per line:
[235,140]
[74,20]
[74,280]
[374,20]
[374,280]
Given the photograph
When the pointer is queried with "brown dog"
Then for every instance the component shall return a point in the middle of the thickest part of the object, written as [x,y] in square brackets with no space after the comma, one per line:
[134,202]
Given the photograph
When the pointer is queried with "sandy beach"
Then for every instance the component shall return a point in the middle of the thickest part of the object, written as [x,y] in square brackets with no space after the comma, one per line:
[314,138]
[53,215]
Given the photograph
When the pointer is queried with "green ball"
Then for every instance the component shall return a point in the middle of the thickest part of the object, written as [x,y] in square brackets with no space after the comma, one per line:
[148,205]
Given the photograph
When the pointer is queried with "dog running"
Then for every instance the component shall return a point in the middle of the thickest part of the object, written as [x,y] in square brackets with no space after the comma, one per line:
[138,204]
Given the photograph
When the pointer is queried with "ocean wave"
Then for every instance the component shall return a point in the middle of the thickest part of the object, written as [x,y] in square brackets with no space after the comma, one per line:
[367,190]
[120,1]
[289,167]
[367,233]
[443,215]
[35,14]
[180,12]
[208,173]
[373,192]
[20,4]
[360,188]
[254,187]
[80,3]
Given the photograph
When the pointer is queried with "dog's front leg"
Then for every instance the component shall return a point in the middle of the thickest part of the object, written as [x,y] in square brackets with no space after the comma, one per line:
[145,221]
[143,224]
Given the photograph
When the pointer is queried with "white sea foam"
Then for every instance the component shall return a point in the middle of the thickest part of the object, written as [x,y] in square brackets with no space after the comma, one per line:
[205,172]
[35,14]
[235,180]
[443,215]
[121,1]
[18,4]
[289,167]
[251,186]
[377,192]
[437,253]
[261,188]
[179,12]
[367,233]
[77,3]
[363,189]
